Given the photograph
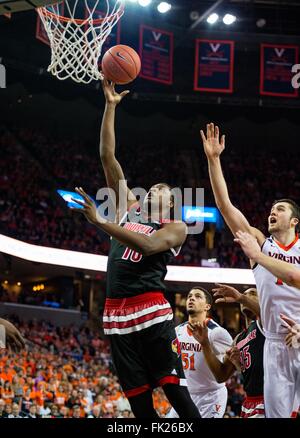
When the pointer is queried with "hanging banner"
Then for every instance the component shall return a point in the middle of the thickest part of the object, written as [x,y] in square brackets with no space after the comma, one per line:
[276,62]
[156,52]
[214,65]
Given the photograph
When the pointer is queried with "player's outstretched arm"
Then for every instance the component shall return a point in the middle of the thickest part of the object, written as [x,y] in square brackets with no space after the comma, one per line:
[227,294]
[172,235]
[13,337]
[221,370]
[213,148]
[113,171]
[287,272]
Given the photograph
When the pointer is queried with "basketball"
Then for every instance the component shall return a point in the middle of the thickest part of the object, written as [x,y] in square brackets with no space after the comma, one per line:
[121,64]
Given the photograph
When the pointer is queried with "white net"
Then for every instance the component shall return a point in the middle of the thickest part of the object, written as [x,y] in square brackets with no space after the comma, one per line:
[76,35]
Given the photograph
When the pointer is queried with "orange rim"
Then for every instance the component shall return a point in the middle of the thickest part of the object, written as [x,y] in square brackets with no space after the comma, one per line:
[45,12]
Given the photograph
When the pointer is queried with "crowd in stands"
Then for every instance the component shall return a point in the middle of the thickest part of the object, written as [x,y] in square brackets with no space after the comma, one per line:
[67,373]
[30,209]
[34,165]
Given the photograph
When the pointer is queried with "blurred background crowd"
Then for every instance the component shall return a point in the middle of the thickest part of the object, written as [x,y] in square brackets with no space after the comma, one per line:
[67,373]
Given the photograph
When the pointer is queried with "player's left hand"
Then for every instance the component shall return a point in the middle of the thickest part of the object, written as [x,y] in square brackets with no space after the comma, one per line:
[293,338]
[249,244]
[233,355]
[213,146]
[13,337]
[226,294]
[199,331]
[89,207]
[111,96]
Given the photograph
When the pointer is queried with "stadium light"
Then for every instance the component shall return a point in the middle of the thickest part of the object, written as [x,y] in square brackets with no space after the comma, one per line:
[229,19]
[144,3]
[212,18]
[164,7]
[81,260]
[261,22]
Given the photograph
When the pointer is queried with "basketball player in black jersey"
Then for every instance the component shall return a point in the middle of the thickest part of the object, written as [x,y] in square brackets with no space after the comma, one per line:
[137,317]
[246,353]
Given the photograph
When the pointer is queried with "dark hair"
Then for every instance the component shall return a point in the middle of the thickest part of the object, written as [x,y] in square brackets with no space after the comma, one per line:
[163,184]
[208,297]
[294,207]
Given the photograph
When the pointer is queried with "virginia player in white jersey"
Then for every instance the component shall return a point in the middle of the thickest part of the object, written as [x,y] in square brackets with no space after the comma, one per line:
[209,396]
[277,286]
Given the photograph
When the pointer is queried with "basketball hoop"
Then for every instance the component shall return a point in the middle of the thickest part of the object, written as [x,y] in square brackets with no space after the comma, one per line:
[77,30]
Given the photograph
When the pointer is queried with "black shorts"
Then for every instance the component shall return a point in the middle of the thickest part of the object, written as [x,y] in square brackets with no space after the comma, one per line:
[148,358]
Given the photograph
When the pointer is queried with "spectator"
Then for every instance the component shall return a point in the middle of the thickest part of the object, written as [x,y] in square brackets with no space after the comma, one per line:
[77,412]
[33,412]
[64,412]
[7,393]
[15,411]
[17,388]
[7,411]
[2,407]
[96,411]
[57,384]
[55,412]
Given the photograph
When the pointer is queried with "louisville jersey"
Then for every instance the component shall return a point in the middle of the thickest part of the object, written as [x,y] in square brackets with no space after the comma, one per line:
[251,345]
[199,377]
[276,297]
[129,273]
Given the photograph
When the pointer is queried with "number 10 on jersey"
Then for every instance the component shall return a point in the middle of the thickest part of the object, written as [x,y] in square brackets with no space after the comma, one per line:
[130,254]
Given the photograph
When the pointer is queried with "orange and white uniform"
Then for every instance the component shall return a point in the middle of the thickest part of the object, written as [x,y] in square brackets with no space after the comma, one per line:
[209,396]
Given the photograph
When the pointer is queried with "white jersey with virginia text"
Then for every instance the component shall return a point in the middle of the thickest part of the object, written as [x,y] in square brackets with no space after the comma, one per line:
[198,375]
[276,297]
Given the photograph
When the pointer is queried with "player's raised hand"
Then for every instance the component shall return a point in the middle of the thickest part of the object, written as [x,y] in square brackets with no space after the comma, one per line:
[213,146]
[249,245]
[199,331]
[111,96]
[293,338]
[226,294]
[89,207]
[233,355]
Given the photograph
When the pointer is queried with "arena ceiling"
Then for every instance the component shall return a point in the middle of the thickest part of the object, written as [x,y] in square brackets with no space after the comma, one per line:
[261,16]
[269,16]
